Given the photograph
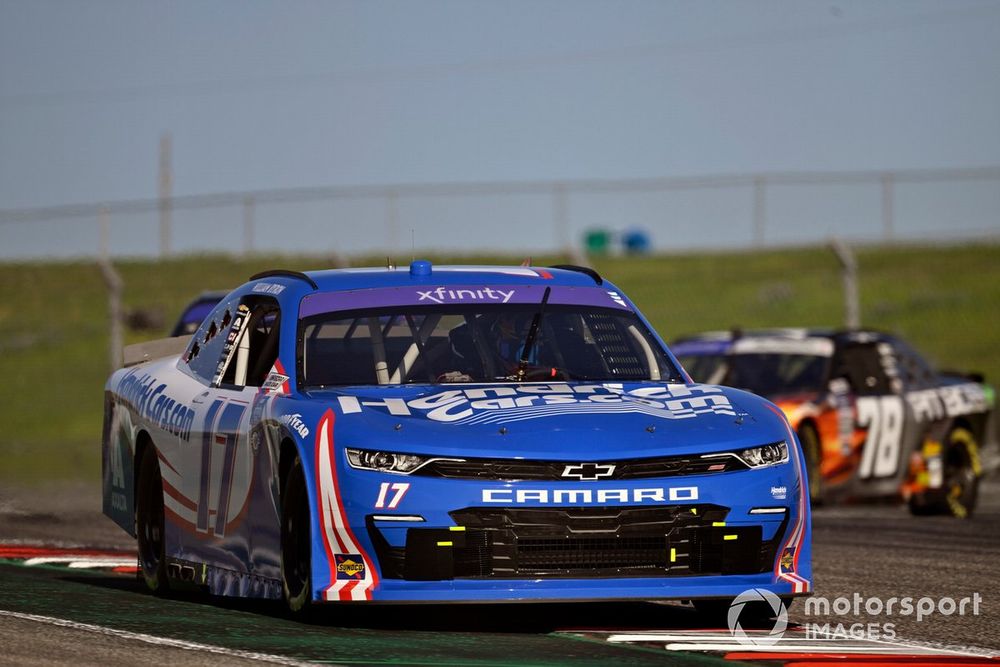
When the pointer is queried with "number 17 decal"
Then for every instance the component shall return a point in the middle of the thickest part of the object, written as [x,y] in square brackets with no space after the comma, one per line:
[883,417]
[222,425]
[398,489]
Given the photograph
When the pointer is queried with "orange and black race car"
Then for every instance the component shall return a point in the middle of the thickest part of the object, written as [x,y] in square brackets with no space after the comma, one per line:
[875,420]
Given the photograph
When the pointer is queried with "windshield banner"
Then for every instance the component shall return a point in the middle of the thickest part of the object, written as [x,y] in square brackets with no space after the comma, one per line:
[426,295]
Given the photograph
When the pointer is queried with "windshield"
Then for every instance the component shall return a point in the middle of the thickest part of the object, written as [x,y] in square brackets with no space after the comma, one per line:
[479,343]
[704,368]
[773,374]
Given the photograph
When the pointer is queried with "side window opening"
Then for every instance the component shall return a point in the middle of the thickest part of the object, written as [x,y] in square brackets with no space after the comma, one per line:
[861,365]
[255,344]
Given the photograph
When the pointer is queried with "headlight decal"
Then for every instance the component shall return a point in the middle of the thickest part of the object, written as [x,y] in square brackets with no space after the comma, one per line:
[389,462]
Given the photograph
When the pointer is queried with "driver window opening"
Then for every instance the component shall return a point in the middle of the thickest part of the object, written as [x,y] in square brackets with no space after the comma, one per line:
[255,349]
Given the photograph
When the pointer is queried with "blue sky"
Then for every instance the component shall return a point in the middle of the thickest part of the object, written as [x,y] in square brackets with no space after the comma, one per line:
[287,94]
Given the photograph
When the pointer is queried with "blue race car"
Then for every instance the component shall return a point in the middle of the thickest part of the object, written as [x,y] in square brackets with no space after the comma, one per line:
[446,434]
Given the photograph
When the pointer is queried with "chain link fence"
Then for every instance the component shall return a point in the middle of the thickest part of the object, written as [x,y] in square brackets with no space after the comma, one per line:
[712,212]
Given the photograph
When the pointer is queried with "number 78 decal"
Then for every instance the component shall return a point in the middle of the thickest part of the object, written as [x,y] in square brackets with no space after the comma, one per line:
[883,416]
[398,489]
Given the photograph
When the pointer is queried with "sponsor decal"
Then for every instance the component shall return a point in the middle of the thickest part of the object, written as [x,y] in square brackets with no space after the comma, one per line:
[229,347]
[350,566]
[147,396]
[444,295]
[617,298]
[779,492]
[119,462]
[787,560]
[295,423]
[268,288]
[273,382]
[950,401]
[485,405]
[589,496]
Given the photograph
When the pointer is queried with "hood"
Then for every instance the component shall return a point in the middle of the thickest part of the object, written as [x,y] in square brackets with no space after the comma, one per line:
[555,421]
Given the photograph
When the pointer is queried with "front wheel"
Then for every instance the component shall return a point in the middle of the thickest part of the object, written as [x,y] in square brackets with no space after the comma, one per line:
[149,524]
[960,489]
[296,571]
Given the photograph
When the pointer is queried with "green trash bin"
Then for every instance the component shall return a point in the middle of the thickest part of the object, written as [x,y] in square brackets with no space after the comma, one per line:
[596,241]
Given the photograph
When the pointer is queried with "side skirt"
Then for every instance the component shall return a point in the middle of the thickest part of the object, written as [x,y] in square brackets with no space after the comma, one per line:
[222,581]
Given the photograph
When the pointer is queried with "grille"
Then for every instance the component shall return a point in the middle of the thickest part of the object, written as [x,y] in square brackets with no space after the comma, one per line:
[639,552]
[512,470]
[580,542]
[585,541]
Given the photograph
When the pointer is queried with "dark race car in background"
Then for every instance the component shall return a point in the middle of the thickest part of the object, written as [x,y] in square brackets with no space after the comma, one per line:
[194,313]
[874,418]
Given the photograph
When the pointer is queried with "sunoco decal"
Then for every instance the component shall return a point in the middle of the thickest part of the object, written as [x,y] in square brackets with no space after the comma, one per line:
[350,566]
[487,405]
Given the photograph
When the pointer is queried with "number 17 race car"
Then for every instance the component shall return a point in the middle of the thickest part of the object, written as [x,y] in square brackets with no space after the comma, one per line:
[446,434]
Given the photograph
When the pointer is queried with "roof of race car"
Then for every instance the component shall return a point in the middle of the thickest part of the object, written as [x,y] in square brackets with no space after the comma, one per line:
[709,342]
[422,272]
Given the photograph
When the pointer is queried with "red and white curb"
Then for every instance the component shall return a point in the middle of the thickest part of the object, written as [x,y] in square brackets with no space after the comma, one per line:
[75,558]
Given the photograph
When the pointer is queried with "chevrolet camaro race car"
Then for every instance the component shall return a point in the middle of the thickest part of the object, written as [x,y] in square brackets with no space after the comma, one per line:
[447,434]
[874,419]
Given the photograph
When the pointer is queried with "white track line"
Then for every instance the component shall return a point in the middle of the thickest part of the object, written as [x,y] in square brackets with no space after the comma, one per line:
[80,561]
[793,642]
[156,641]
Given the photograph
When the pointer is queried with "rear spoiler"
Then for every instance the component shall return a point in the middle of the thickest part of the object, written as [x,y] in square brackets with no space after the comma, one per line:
[140,353]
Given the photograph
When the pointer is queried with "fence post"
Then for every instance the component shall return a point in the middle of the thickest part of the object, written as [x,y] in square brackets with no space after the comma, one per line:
[166,188]
[114,283]
[392,221]
[560,222]
[104,232]
[887,213]
[759,210]
[248,227]
[849,276]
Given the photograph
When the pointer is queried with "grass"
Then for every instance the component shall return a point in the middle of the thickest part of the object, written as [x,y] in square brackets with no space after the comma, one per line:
[53,320]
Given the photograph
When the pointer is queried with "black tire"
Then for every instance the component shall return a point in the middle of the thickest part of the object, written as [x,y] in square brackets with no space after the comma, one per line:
[960,490]
[296,545]
[813,452]
[149,524]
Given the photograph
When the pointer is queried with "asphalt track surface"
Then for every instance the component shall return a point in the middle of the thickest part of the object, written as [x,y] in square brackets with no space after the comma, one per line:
[51,614]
